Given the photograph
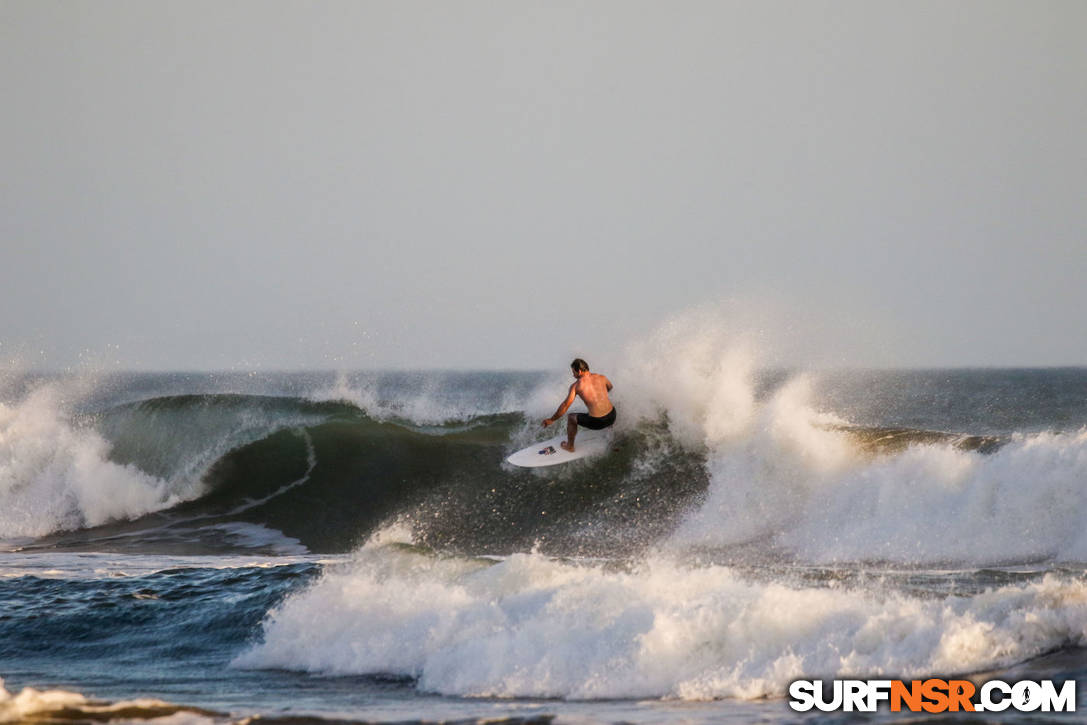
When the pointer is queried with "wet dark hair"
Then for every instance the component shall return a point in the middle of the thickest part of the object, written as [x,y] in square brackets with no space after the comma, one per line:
[578,365]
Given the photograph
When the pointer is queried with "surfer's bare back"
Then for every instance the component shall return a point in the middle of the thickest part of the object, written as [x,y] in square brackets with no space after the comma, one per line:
[593,389]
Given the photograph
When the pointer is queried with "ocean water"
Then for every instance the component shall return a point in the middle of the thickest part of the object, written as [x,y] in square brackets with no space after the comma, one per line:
[352,547]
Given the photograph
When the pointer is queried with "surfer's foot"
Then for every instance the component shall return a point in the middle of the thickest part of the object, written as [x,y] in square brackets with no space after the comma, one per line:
[568,446]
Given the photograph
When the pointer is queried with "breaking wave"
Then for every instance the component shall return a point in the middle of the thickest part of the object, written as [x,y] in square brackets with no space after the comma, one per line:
[533,626]
[711,453]
[55,474]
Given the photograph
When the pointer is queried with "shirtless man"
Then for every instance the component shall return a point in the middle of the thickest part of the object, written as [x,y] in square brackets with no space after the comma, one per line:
[593,389]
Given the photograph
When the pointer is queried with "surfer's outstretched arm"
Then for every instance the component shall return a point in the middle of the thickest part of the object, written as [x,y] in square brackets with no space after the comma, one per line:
[562,408]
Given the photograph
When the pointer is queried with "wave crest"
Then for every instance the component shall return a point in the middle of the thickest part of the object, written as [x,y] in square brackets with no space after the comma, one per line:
[55,475]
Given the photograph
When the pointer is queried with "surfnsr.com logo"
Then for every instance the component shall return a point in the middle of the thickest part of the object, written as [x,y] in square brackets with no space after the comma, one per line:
[933,695]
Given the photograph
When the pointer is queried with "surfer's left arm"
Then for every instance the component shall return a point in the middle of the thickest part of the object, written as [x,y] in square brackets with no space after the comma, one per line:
[562,408]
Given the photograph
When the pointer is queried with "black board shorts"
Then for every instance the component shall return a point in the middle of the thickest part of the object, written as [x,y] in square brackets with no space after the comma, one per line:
[585,420]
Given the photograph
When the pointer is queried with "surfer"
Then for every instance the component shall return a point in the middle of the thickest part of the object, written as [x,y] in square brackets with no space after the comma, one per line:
[593,389]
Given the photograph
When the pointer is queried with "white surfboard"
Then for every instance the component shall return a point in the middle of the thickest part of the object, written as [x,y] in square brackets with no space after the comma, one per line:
[551,453]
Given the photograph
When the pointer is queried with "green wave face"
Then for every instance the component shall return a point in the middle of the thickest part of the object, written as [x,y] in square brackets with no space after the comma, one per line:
[326,474]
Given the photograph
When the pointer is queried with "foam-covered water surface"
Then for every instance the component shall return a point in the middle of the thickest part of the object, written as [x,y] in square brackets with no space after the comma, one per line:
[531,626]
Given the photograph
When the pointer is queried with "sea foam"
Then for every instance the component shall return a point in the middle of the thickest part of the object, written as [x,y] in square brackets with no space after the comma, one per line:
[530,626]
[784,475]
[55,475]
[32,705]
[799,485]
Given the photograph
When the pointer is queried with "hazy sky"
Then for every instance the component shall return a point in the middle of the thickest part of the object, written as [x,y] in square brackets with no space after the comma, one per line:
[501,184]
